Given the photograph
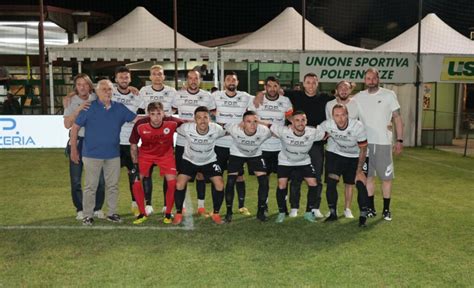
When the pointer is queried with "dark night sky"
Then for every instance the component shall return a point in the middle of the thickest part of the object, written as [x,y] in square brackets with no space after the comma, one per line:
[345,20]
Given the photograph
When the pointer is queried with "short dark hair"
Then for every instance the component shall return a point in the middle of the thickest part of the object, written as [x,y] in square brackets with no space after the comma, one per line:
[249,113]
[231,73]
[273,79]
[310,74]
[298,112]
[122,69]
[154,106]
[201,109]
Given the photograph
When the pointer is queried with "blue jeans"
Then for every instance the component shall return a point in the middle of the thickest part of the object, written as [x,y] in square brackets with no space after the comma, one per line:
[75,174]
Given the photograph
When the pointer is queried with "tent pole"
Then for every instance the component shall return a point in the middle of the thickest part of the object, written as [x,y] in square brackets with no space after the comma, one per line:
[44,107]
[222,74]
[51,87]
[417,83]
[175,28]
[79,67]
[303,12]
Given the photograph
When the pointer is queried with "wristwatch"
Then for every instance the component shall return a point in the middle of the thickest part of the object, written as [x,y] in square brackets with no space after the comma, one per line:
[400,140]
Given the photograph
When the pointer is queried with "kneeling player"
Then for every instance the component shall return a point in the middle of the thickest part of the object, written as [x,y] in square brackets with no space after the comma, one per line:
[293,159]
[156,133]
[199,156]
[346,153]
[246,148]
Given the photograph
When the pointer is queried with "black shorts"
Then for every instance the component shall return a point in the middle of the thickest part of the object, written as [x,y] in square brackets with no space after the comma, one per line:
[209,170]
[296,172]
[126,157]
[236,164]
[178,156]
[223,154]
[340,165]
[271,160]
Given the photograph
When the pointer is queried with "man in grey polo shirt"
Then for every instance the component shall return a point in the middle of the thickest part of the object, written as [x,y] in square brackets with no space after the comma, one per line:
[101,148]
[83,89]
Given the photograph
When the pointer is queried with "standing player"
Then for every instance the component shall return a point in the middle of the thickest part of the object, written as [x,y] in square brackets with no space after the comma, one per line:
[247,148]
[199,156]
[296,141]
[378,107]
[343,93]
[123,94]
[275,109]
[156,134]
[157,92]
[231,105]
[186,101]
[345,155]
[313,103]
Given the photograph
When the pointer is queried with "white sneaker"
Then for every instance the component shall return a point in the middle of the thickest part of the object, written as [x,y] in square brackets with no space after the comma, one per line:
[80,215]
[148,210]
[99,214]
[317,213]
[293,213]
[348,213]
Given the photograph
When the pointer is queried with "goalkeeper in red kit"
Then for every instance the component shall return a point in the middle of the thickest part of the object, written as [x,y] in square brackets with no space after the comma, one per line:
[156,134]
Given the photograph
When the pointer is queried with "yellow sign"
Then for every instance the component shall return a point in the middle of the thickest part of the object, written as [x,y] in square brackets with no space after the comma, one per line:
[458,68]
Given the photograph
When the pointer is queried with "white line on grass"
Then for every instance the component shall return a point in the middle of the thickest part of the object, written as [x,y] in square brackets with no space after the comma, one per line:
[78,227]
[188,224]
[439,164]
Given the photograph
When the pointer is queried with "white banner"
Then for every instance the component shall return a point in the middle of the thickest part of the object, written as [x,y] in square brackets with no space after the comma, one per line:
[448,68]
[33,131]
[334,67]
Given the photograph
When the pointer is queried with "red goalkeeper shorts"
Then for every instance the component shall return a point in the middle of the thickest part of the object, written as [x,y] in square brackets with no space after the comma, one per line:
[166,164]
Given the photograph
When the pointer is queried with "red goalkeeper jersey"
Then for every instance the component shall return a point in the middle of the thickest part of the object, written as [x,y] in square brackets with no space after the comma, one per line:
[156,142]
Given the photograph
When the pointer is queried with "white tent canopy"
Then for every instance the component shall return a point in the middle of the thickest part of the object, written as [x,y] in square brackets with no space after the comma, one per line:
[281,40]
[437,37]
[138,35]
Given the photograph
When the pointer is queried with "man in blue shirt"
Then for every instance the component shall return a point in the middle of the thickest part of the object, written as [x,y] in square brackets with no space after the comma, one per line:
[101,148]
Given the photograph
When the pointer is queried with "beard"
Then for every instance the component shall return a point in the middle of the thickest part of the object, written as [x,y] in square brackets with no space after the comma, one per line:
[231,88]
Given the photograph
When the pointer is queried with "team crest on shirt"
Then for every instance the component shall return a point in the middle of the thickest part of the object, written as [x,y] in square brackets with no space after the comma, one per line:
[306,138]
[166,130]
[258,138]
[200,98]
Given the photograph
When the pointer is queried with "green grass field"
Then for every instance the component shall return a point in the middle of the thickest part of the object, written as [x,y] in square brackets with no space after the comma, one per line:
[428,243]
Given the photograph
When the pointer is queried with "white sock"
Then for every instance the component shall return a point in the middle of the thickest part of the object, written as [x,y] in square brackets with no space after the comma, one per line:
[200,203]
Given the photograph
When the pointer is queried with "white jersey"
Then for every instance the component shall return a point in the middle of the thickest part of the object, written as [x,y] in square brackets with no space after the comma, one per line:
[294,151]
[165,96]
[351,106]
[376,114]
[230,109]
[133,103]
[345,142]
[186,102]
[273,111]
[244,145]
[76,101]
[199,149]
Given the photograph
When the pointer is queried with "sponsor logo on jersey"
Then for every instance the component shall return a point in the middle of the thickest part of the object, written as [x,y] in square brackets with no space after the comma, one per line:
[166,130]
